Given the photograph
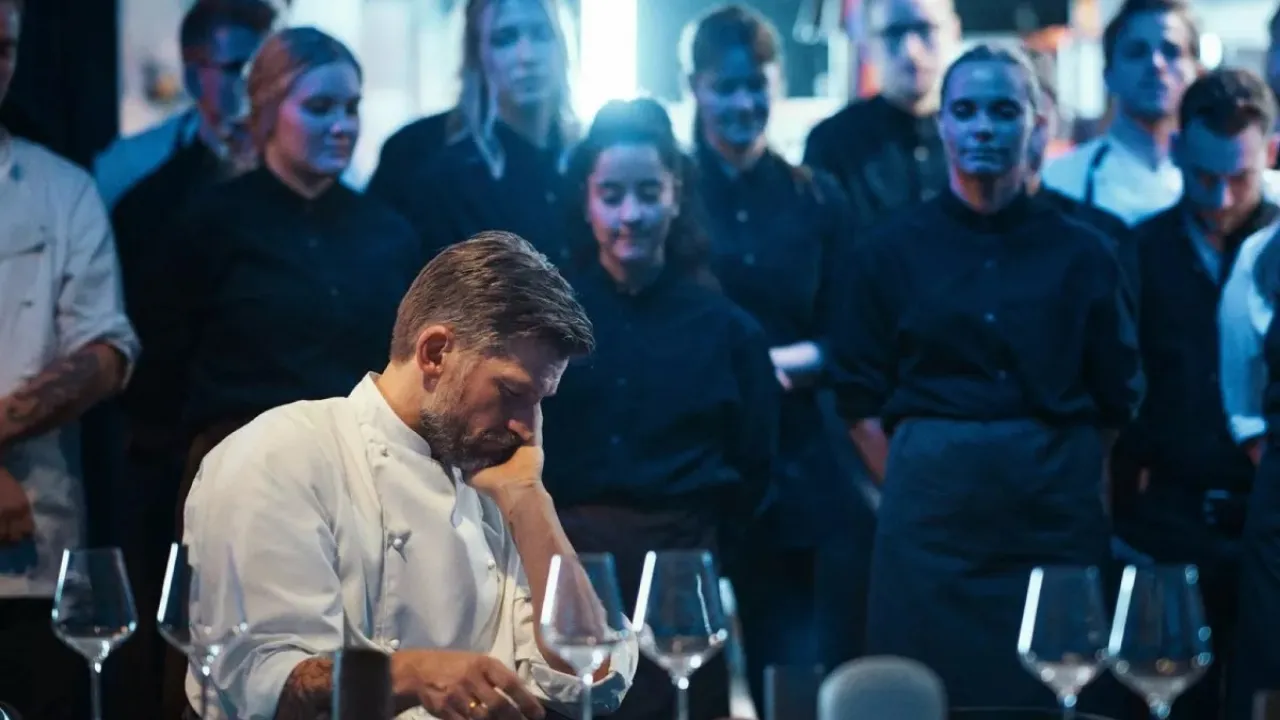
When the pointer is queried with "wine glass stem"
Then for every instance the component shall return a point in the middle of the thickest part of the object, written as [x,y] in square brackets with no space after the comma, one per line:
[95,688]
[204,688]
[587,682]
[1068,707]
[682,698]
[1161,711]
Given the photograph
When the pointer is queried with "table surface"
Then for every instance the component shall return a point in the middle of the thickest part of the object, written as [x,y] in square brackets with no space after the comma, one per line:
[1016,714]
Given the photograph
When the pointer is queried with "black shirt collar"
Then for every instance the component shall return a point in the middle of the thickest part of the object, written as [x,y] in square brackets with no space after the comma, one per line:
[1003,220]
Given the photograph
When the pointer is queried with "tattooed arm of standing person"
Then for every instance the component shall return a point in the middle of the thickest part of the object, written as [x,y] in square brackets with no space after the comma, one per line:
[61,393]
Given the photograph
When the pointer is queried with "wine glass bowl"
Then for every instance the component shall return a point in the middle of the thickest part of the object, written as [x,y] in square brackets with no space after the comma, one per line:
[93,610]
[582,617]
[1063,639]
[681,618]
[1160,642]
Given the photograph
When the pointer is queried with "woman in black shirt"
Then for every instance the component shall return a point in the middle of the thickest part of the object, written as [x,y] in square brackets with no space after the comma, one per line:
[285,283]
[779,236]
[507,138]
[664,437]
[988,337]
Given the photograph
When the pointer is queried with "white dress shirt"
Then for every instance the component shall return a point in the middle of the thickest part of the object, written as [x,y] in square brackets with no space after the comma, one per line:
[59,291]
[331,525]
[1244,316]
[1123,184]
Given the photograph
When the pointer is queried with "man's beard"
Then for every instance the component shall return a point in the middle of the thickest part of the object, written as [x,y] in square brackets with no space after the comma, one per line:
[444,427]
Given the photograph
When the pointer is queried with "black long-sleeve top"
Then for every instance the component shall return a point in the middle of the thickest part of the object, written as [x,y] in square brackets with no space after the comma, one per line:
[460,197]
[142,220]
[883,157]
[678,399]
[780,238]
[404,162]
[1181,434]
[957,314]
[277,298]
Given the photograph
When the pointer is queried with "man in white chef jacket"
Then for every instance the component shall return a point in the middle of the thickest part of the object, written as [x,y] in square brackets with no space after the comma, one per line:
[409,516]
[1151,52]
[65,344]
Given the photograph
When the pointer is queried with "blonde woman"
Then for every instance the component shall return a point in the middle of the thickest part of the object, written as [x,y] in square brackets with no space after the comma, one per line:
[506,139]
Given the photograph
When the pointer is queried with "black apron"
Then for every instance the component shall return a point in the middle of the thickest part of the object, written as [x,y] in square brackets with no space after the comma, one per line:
[968,509]
[629,533]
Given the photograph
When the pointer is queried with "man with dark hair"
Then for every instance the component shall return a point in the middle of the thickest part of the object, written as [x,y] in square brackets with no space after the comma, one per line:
[218,39]
[65,345]
[1151,51]
[885,151]
[1195,479]
[425,485]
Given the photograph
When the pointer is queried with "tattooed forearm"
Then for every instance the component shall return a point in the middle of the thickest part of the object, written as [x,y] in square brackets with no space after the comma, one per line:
[61,393]
[308,693]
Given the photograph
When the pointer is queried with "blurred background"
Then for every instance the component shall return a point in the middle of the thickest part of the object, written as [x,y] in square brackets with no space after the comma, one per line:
[410,51]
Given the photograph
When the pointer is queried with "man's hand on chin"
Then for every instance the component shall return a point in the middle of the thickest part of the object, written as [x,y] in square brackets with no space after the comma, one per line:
[521,475]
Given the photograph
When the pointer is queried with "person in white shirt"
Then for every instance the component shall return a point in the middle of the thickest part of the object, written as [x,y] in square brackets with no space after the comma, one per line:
[1151,50]
[409,516]
[218,39]
[1249,367]
[65,344]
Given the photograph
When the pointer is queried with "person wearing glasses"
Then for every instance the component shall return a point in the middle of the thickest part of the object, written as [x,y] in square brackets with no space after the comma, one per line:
[218,39]
[989,349]
[885,151]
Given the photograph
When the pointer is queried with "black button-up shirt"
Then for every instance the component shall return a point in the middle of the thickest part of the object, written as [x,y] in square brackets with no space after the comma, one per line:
[276,298]
[956,314]
[404,161]
[1181,433]
[460,197]
[883,157]
[679,398]
[779,237]
[142,220]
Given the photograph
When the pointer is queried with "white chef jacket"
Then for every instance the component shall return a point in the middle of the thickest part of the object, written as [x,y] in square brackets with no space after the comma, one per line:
[1105,174]
[59,291]
[331,525]
[128,160]
[1244,316]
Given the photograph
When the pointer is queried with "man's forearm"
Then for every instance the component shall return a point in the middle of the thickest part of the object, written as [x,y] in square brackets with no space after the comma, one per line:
[308,692]
[61,393]
[872,445]
[538,537]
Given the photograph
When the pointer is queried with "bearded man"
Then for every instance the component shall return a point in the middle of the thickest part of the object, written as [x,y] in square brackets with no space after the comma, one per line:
[409,516]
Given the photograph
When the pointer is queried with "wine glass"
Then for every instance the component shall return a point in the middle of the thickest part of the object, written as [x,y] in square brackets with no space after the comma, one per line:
[680,615]
[1160,642]
[582,616]
[93,610]
[180,617]
[1063,640]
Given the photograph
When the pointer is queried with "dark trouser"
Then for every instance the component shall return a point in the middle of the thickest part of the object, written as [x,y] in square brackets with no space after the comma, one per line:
[1257,660]
[155,477]
[776,604]
[1171,526]
[969,508]
[629,534]
[39,676]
